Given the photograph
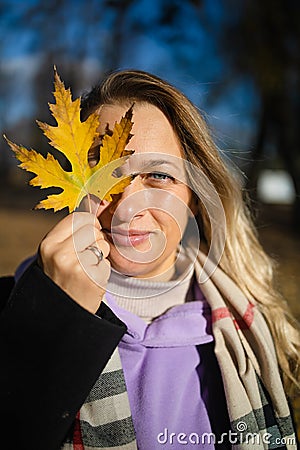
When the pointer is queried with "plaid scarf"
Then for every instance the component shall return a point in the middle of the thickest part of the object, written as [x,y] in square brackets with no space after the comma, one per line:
[256,402]
[104,421]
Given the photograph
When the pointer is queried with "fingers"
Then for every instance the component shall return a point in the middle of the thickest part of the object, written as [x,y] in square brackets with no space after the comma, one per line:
[71,224]
[97,273]
[91,203]
[66,259]
[68,239]
[89,235]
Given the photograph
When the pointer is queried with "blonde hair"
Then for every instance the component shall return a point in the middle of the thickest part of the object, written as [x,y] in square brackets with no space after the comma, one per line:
[243,258]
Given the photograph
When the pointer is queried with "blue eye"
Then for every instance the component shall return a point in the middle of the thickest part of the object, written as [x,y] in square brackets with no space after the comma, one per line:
[160,176]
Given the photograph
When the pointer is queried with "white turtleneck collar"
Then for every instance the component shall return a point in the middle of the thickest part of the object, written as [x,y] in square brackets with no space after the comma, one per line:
[150,298]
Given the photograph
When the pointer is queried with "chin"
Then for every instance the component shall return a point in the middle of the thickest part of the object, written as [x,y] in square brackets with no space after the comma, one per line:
[136,269]
[132,269]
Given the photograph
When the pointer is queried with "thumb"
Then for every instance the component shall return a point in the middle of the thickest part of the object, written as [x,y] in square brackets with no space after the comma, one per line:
[100,206]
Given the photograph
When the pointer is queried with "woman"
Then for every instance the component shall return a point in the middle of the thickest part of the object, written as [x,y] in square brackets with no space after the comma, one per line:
[153,321]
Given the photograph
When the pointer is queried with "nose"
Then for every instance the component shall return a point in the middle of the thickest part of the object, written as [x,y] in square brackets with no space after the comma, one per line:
[132,208]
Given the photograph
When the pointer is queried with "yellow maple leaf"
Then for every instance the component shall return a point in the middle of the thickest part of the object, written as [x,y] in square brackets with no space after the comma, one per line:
[74,138]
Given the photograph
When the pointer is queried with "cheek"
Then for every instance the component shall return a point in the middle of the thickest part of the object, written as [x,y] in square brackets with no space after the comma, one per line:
[172,227]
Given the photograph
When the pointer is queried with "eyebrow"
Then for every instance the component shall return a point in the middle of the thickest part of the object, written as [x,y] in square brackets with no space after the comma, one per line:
[150,164]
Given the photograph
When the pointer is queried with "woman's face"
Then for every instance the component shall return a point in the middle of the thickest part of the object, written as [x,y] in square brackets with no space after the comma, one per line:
[145,223]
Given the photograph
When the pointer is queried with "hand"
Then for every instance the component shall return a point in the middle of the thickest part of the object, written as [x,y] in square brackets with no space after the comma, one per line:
[66,260]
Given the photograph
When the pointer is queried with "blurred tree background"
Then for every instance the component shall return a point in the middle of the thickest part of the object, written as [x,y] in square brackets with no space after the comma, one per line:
[237,61]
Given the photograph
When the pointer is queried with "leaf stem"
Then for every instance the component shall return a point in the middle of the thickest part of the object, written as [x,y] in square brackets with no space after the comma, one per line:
[89,202]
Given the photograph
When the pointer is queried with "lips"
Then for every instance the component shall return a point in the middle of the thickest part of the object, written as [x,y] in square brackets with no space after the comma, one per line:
[127,238]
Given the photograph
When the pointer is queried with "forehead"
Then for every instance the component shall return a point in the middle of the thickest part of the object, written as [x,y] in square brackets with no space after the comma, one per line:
[152,132]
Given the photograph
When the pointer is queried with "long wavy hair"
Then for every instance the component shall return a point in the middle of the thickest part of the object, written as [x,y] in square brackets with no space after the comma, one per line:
[243,259]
